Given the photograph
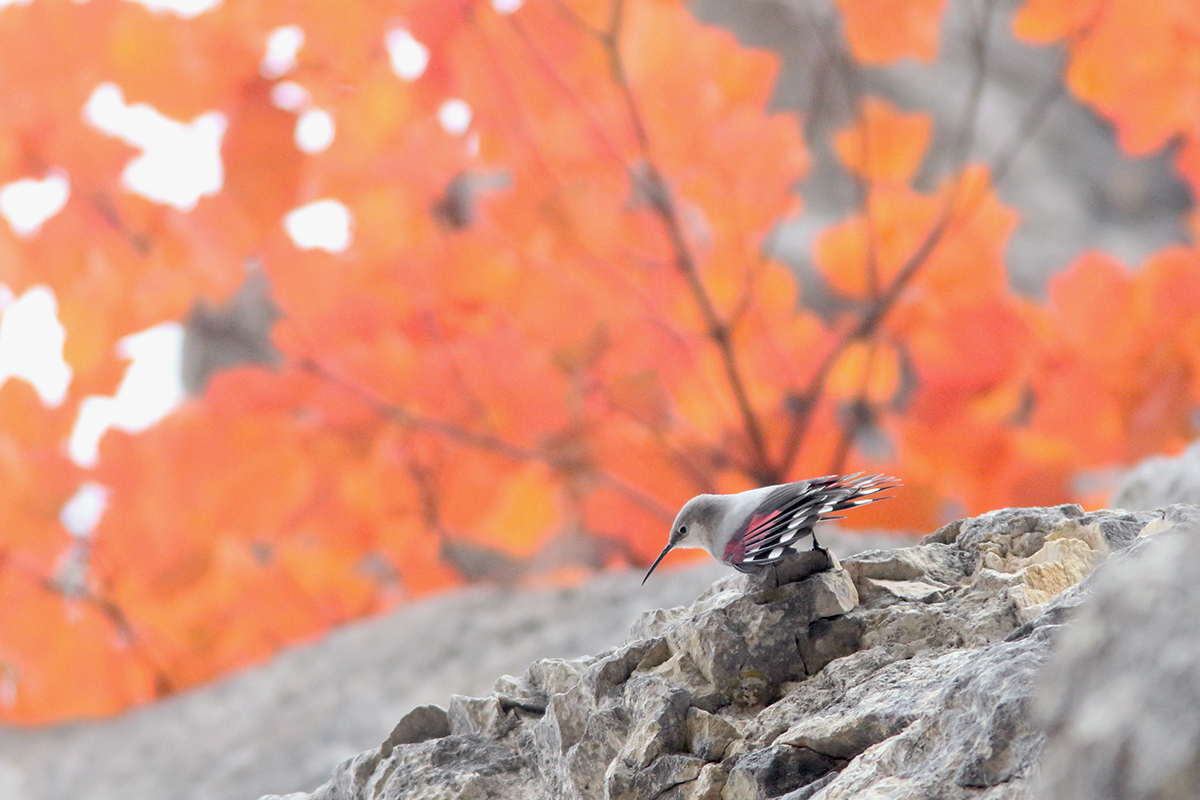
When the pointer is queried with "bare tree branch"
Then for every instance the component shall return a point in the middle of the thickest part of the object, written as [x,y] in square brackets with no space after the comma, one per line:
[658,195]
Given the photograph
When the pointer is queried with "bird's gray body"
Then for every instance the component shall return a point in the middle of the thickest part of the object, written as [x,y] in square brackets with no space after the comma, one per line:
[708,515]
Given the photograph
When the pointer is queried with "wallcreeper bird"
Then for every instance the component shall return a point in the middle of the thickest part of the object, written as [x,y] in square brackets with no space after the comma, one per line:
[760,527]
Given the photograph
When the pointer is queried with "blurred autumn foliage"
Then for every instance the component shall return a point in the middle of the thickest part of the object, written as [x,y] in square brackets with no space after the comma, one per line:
[550,329]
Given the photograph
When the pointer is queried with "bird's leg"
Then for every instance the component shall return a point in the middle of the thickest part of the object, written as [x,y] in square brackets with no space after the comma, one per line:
[817,545]
[834,564]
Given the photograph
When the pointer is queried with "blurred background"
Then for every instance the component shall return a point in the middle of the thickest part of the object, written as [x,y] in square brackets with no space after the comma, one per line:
[310,311]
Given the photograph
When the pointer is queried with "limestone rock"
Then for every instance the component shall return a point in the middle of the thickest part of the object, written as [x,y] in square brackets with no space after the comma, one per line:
[1161,481]
[709,736]
[1120,697]
[708,784]
[478,715]
[909,673]
[419,725]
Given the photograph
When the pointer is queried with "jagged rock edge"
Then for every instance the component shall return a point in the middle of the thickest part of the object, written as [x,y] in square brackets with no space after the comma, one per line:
[619,665]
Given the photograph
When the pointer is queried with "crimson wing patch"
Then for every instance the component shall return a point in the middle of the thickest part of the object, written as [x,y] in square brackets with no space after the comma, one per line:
[789,513]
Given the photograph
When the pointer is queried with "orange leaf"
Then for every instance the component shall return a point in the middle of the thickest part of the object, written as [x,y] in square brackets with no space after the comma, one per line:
[41,672]
[522,514]
[140,42]
[1094,281]
[1047,20]
[861,256]
[883,31]
[262,165]
[1136,63]
[963,353]
[865,367]
[36,478]
[884,144]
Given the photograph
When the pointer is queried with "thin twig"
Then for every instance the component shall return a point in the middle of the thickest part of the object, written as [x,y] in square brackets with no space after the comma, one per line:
[964,131]
[409,419]
[610,40]
[112,613]
[504,81]
[954,209]
[658,196]
[597,131]
[163,685]
[481,441]
[866,210]
[1033,118]
[851,427]
[864,328]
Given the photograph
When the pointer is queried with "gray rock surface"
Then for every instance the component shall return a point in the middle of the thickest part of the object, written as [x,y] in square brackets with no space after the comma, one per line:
[1120,699]
[1160,481]
[908,673]
[284,726]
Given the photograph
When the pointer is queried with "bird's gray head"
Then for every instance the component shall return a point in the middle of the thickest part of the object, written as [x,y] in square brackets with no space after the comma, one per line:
[696,526]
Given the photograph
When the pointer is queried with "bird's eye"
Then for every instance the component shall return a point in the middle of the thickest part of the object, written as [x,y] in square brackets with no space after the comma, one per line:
[683,530]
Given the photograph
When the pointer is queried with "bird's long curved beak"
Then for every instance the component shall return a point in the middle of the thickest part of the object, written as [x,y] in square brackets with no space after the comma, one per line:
[666,550]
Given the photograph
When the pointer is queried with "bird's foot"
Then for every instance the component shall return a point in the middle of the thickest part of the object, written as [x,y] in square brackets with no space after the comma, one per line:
[834,564]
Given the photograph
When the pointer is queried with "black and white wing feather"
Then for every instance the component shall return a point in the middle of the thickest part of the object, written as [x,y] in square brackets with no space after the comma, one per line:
[789,513]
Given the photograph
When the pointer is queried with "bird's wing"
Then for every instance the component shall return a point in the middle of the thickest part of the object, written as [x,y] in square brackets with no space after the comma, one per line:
[789,513]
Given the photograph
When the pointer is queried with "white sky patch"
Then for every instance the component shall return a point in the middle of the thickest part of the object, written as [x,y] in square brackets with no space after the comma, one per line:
[455,116]
[283,44]
[150,390]
[81,513]
[323,225]
[290,96]
[506,6]
[180,162]
[408,56]
[31,343]
[29,202]
[314,130]
[181,8]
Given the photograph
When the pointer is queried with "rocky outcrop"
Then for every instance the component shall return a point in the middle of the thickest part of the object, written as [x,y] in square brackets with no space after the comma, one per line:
[1160,481]
[1121,695]
[905,673]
